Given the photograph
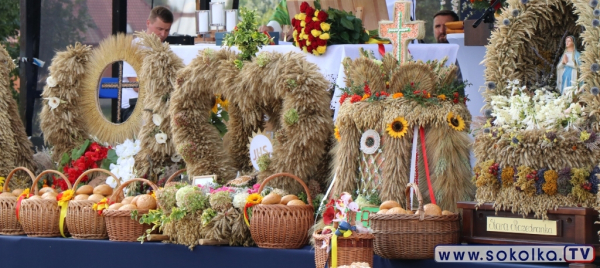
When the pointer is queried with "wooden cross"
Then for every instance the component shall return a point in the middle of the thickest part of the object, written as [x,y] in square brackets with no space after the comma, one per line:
[401,31]
[120,85]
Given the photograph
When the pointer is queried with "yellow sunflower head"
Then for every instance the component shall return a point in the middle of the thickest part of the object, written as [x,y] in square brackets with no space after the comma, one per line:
[337,134]
[455,121]
[254,199]
[397,128]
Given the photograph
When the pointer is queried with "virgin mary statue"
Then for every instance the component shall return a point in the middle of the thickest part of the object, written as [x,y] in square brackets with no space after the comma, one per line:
[566,71]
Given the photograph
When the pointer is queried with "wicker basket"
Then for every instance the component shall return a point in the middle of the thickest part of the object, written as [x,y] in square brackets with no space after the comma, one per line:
[409,236]
[281,226]
[83,221]
[41,217]
[119,224]
[356,248]
[8,219]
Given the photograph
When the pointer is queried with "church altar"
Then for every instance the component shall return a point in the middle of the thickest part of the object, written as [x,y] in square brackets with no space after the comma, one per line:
[330,62]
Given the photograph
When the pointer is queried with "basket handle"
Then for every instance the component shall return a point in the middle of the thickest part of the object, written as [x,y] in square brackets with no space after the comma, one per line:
[34,185]
[177,173]
[262,185]
[95,170]
[419,198]
[114,197]
[12,173]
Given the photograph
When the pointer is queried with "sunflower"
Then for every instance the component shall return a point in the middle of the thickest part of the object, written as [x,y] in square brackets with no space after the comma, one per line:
[254,199]
[456,122]
[397,128]
[337,134]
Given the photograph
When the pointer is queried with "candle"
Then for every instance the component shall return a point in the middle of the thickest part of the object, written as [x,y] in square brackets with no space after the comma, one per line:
[230,19]
[202,21]
[217,13]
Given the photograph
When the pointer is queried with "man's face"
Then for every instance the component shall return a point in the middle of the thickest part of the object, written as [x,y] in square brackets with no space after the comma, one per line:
[439,27]
[158,27]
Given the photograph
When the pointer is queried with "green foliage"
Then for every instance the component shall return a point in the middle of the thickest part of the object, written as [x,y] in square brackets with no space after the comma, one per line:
[207,215]
[263,162]
[291,117]
[218,121]
[264,9]
[111,158]
[245,36]
[158,219]
[345,27]
[9,26]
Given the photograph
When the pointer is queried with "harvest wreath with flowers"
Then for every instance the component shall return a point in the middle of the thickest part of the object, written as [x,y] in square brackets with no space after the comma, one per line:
[380,107]
[537,149]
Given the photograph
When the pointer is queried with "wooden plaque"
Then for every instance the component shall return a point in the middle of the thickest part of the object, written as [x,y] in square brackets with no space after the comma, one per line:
[477,36]
[373,10]
[575,226]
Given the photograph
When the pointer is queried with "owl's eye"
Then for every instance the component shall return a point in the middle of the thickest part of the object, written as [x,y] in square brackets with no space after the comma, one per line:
[369,142]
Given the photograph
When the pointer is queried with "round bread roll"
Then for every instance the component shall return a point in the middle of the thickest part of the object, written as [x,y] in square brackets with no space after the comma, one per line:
[146,201]
[447,213]
[49,196]
[36,197]
[271,199]
[80,197]
[128,207]
[296,202]
[17,192]
[115,206]
[127,200]
[7,194]
[85,189]
[432,210]
[382,211]
[103,189]
[96,197]
[133,200]
[396,210]
[389,204]
[44,190]
[288,198]
[409,212]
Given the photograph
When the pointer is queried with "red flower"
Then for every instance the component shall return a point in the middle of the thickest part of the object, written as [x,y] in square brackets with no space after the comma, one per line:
[310,13]
[328,215]
[61,183]
[313,45]
[455,94]
[417,92]
[355,98]
[316,25]
[321,42]
[455,100]
[367,89]
[303,7]
[383,93]
[310,49]
[307,30]
[302,43]
[343,98]
[322,16]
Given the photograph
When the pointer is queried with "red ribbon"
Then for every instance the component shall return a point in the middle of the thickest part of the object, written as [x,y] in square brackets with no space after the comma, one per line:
[267,33]
[422,136]
[381,50]
[18,206]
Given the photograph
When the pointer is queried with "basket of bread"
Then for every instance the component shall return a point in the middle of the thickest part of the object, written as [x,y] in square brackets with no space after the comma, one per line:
[39,213]
[121,226]
[281,222]
[9,225]
[408,234]
[83,221]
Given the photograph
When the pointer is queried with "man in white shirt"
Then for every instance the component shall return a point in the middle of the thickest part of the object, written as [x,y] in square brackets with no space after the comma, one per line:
[159,22]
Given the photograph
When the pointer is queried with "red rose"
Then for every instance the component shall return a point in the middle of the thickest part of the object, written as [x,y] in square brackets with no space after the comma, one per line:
[328,215]
[294,21]
[322,16]
[61,183]
[302,43]
[309,49]
[343,98]
[455,100]
[355,98]
[316,25]
[321,42]
[314,45]
[312,39]
[303,7]
[310,13]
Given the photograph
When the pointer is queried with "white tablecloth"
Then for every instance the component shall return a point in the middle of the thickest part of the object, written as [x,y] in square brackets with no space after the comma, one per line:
[330,63]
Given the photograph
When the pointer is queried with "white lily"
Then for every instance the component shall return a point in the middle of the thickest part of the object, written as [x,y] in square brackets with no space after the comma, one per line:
[176,158]
[53,102]
[157,119]
[161,138]
[51,82]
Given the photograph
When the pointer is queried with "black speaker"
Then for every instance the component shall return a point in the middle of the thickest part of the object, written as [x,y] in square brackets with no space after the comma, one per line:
[180,40]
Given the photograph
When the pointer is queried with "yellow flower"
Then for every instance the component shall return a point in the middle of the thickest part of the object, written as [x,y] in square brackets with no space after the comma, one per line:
[397,128]
[315,32]
[584,136]
[324,36]
[455,121]
[25,193]
[322,49]
[254,199]
[67,195]
[295,34]
[442,97]
[224,104]
[308,42]
[153,194]
[325,26]
[297,16]
[302,17]
[1,182]
[316,14]
[303,23]
[315,18]
[315,52]
[337,134]
[397,95]
[305,50]
[366,96]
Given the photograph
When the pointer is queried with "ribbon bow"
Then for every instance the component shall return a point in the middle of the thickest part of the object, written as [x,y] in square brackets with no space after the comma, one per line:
[345,230]
[24,195]
[63,202]
[101,206]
